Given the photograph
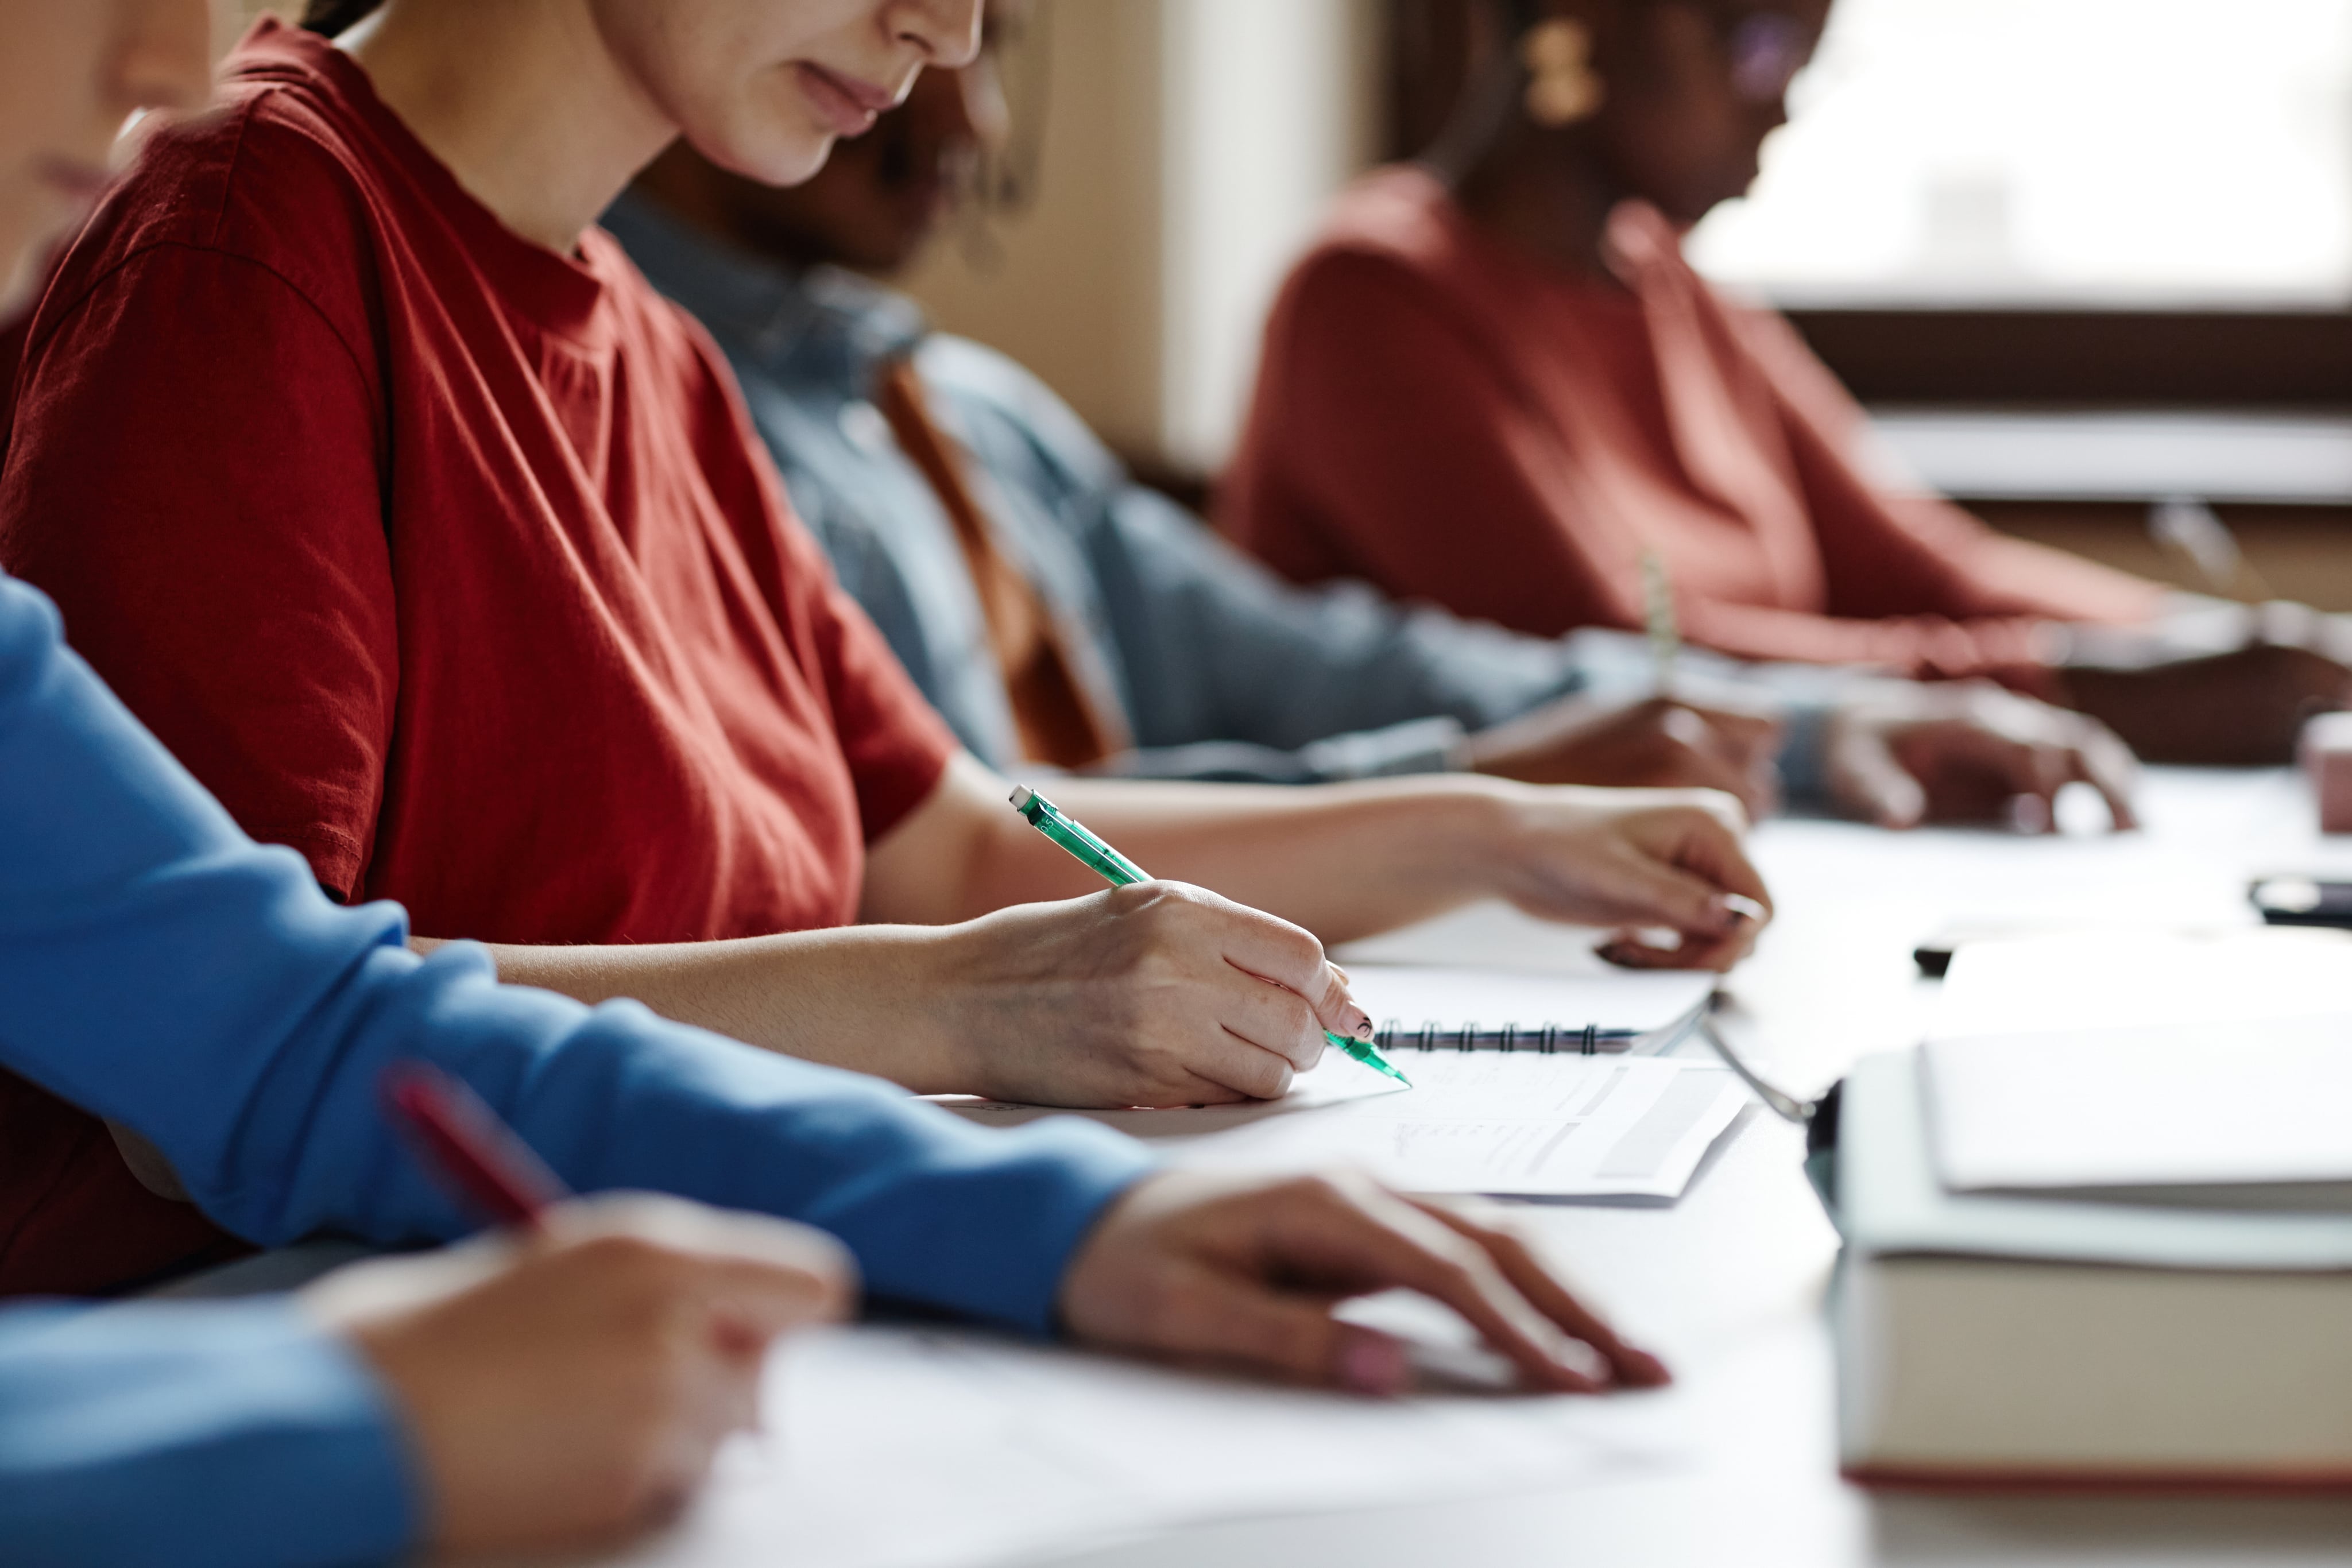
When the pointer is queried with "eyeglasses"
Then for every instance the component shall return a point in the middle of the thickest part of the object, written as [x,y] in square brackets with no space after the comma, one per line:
[1767,49]
[1764,49]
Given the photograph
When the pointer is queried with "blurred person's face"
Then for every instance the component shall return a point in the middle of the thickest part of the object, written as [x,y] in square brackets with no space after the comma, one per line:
[1692,91]
[882,195]
[765,89]
[71,73]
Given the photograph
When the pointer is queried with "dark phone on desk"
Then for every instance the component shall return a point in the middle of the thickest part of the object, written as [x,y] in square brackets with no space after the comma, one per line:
[2303,901]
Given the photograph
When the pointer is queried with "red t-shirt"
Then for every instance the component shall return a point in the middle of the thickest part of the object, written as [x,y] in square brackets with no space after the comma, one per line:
[1440,414]
[450,562]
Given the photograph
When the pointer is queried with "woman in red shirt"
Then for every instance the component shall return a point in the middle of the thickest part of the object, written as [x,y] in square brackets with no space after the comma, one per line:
[445,555]
[1496,384]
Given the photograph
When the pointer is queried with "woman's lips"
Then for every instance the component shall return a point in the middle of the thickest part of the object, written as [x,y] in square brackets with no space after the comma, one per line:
[848,107]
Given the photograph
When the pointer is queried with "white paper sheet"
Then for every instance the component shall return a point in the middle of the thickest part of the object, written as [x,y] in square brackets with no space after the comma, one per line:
[2126,979]
[913,1448]
[2144,1060]
[1511,1124]
[2148,1107]
[1490,935]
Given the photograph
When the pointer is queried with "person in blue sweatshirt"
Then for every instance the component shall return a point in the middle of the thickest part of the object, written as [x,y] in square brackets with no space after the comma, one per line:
[159,970]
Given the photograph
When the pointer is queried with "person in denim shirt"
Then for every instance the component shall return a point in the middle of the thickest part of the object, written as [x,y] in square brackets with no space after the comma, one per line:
[1170,632]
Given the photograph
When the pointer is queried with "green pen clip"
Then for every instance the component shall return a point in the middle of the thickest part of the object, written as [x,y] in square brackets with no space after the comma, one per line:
[1120,872]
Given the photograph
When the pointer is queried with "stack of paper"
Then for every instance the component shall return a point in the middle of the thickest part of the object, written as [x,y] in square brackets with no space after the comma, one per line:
[2183,1069]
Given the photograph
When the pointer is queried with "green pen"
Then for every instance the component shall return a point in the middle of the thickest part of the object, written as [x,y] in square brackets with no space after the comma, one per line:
[1120,872]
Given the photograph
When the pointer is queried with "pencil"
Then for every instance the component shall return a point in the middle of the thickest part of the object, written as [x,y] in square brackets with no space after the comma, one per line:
[462,1143]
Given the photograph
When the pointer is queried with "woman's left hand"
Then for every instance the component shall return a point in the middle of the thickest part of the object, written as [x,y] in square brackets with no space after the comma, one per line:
[1638,860]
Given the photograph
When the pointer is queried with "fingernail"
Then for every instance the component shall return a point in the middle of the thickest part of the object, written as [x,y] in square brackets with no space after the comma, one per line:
[1362,1026]
[1739,907]
[1373,1364]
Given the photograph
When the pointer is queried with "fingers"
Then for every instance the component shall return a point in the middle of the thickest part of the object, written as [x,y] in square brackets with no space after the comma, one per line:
[574,1383]
[1745,740]
[1364,1239]
[1675,864]
[1545,1291]
[1247,1271]
[1276,1021]
[1274,950]
[1716,848]
[1970,752]
[1654,893]
[1866,780]
[2105,763]
[1211,1314]
[1248,1069]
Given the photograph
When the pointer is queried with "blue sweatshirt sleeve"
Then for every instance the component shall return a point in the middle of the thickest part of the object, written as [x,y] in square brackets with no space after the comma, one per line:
[159,969]
[194,1435]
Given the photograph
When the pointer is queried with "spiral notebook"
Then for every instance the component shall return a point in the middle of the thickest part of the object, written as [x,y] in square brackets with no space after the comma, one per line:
[1418,1008]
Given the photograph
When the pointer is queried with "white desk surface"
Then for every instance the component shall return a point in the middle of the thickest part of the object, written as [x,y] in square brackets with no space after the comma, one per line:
[1728,1283]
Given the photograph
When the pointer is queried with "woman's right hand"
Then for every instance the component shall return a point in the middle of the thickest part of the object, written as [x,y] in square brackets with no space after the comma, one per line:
[570,1386]
[1160,994]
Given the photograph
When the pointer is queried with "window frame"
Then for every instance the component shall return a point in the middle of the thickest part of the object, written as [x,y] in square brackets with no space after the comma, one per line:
[1983,356]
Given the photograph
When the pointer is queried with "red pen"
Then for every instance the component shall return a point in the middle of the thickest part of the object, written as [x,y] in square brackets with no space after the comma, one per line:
[460,1141]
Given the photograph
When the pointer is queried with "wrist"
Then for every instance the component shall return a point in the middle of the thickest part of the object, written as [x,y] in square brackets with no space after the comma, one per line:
[868,998]
[1467,842]
[925,1019]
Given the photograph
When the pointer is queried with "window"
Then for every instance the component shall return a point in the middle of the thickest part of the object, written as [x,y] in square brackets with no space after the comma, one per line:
[2148,153]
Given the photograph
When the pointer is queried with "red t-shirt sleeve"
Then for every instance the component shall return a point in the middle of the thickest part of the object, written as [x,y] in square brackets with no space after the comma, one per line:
[897,744]
[1383,447]
[1890,554]
[194,477]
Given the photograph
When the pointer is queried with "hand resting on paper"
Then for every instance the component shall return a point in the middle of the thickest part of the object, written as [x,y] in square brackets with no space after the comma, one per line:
[1245,1272]
[570,1386]
[1904,753]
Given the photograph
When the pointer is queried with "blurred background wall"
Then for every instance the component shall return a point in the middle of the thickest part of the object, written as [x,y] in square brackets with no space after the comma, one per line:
[1185,149]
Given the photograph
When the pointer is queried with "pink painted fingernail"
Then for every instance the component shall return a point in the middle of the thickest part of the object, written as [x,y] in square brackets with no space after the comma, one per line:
[1362,1028]
[1373,1364]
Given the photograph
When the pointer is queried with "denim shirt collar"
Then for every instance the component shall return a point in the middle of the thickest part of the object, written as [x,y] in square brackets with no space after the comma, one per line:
[817,323]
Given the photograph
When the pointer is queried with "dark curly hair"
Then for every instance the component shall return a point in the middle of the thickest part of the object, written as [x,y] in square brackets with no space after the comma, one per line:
[334,16]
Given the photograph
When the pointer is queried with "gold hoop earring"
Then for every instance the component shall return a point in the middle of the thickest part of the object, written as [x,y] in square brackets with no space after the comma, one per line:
[1563,86]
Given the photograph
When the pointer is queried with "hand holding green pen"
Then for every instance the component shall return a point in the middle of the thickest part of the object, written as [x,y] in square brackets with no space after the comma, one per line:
[1120,872]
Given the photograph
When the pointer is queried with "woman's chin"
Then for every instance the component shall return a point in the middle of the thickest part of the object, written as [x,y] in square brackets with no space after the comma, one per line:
[787,157]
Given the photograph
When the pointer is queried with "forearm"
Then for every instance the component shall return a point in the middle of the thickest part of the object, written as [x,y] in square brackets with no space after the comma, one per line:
[841,998]
[1343,860]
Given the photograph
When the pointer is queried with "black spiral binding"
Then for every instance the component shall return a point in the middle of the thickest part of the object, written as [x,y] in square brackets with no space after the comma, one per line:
[1548,1041]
